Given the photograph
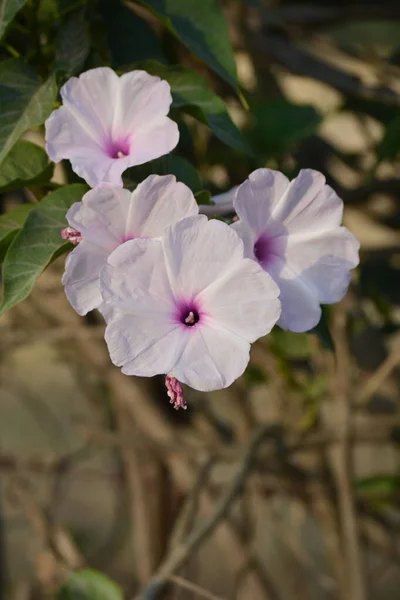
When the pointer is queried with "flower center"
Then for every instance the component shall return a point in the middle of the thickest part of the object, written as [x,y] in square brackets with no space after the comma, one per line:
[191,318]
[263,249]
[118,148]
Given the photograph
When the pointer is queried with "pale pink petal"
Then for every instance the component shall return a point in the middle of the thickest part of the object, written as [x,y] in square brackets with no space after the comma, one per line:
[199,251]
[324,261]
[143,99]
[309,205]
[67,137]
[300,306]
[143,345]
[247,235]
[157,203]
[258,196]
[245,301]
[212,358]
[108,123]
[91,98]
[135,279]
[81,276]
[101,216]
[153,140]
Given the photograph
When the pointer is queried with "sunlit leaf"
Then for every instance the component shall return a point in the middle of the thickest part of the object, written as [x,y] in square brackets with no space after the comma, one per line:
[89,585]
[34,245]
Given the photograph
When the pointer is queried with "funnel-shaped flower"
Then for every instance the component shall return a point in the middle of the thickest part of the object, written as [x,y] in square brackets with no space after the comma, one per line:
[108,217]
[109,123]
[188,305]
[292,229]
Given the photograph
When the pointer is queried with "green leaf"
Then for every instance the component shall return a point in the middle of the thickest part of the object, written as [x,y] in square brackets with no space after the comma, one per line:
[89,585]
[167,165]
[378,485]
[10,223]
[8,10]
[201,26]
[278,125]
[322,331]
[26,164]
[190,90]
[130,38]
[24,102]
[72,45]
[203,197]
[389,147]
[37,241]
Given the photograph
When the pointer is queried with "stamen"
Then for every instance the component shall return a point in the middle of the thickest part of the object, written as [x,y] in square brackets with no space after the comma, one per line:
[190,319]
[120,154]
[72,235]
[175,392]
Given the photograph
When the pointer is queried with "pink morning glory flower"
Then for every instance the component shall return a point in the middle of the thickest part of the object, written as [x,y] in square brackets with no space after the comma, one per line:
[108,217]
[108,123]
[187,305]
[292,229]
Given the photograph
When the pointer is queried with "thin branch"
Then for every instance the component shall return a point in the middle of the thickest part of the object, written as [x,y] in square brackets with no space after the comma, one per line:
[193,587]
[181,554]
[342,463]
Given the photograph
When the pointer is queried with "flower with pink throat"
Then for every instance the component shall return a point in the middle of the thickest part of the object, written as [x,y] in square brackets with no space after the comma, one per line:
[108,123]
[187,305]
[108,217]
[293,230]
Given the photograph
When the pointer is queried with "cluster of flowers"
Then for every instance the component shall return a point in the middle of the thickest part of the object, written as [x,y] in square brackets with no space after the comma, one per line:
[182,295]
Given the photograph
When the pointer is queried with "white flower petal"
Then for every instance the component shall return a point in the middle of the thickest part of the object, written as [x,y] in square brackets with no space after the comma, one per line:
[324,262]
[257,197]
[67,137]
[245,301]
[101,216]
[143,345]
[143,99]
[135,280]
[81,276]
[300,306]
[212,359]
[154,140]
[247,235]
[199,251]
[158,202]
[108,123]
[309,205]
[91,98]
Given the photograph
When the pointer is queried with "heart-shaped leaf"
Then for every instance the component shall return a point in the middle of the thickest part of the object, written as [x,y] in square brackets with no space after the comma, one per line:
[24,101]
[201,26]
[35,244]
[26,164]
[8,10]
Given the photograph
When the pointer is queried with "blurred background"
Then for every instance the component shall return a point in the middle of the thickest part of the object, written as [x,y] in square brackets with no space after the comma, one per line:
[286,485]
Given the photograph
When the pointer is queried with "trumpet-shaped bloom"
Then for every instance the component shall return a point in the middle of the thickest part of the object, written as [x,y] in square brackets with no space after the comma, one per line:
[109,123]
[187,305]
[108,217]
[292,229]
